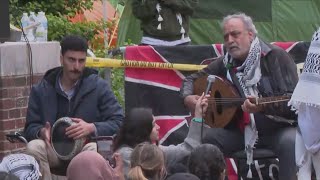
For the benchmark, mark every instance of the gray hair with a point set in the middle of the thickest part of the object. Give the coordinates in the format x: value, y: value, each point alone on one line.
x: 247, y: 20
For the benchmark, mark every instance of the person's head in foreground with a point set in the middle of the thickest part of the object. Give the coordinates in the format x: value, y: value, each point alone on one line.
x: 139, y: 126
x: 183, y: 176
x: 147, y: 162
x: 207, y: 162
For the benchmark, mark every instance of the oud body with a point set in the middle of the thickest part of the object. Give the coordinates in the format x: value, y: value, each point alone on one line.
x: 218, y: 114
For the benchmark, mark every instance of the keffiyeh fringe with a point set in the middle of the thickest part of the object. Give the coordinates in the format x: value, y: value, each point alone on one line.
x: 179, y: 19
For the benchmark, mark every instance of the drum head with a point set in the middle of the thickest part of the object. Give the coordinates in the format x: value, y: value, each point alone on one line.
x: 62, y: 144
x: 65, y: 148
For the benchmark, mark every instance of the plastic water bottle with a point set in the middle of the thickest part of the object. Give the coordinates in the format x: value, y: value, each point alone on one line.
x: 40, y: 34
x: 25, y: 21
x: 33, y: 20
x: 24, y: 24
x: 42, y: 30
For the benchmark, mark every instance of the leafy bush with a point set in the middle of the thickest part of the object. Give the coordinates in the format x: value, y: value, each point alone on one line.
x: 59, y: 26
x: 117, y: 79
x: 55, y: 7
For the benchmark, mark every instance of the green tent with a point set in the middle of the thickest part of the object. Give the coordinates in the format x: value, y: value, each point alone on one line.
x: 276, y: 20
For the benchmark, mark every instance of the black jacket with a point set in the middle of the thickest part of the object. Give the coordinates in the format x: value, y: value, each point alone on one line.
x: 94, y: 102
x: 279, y: 76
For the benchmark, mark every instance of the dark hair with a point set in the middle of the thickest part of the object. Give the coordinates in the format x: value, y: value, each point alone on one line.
x: 8, y: 176
x: 136, y: 128
x: 73, y: 43
x: 207, y: 162
x: 183, y: 176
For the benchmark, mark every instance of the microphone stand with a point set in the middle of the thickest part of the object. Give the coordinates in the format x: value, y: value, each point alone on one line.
x: 202, y: 124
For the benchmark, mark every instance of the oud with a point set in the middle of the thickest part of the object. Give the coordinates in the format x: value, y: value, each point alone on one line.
x: 225, y: 100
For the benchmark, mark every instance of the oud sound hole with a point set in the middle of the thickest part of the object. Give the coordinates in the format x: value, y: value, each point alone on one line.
x: 217, y: 97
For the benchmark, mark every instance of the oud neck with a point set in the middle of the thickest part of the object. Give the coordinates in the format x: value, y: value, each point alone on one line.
x: 267, y: 100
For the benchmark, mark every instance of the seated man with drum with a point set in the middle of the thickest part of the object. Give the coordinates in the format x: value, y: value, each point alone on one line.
x: 256, y: 70
x: 81, y: 100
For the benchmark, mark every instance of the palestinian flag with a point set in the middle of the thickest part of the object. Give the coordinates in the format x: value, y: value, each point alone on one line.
x: 159, y: 89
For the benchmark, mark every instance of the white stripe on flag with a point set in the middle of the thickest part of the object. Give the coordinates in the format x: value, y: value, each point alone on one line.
x: 164, y: 59
x: 234, y: 166
x: 292, y: 46
x: 289, y: 48
x: 171, y: 131
x: 216, y: 50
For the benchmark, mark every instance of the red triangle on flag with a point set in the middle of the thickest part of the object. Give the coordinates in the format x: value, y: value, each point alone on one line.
x: 148, y: 54
x: 167, y: 126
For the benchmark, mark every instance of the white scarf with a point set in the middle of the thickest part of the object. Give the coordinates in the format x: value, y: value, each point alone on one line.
x: 308, y: 87
x: 249, y: 74
x: 21, y: 165
x: 306, y: 97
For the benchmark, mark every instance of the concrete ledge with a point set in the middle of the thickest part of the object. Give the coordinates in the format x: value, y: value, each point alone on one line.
x: 14, y: 57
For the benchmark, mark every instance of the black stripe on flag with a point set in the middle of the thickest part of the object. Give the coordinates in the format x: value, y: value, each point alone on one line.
x: 162, y: 101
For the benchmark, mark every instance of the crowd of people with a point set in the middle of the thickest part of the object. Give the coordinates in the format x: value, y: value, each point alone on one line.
x: 255, y: 67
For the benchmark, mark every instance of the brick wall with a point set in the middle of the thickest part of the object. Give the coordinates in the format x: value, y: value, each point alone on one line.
x: 14, y: 84
x: 14, y: 94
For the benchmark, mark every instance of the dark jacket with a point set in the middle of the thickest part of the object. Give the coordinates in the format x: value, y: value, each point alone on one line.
x: 145, y: 10
x: 94, y: 102
x: 279, y: 76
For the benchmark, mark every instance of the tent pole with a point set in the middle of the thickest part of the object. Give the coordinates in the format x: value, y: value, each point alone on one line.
x: 105, y: 19
x: 107, y: 71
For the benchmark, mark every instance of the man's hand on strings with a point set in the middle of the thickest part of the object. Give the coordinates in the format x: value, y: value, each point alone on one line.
x: 249, y: 106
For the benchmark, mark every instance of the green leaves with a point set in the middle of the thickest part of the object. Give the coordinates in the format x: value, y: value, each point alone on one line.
x: 54, y: 7
x: 117, y: 79
x: 60, y: 26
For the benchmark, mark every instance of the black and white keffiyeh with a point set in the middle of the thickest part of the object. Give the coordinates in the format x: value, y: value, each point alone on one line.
x: 249, y: 74
x: 21, y: 165
x: 306, y: 100
x: 308, y: 87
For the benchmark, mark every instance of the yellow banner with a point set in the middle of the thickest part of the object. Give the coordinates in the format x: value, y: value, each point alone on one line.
x: 116, y: 63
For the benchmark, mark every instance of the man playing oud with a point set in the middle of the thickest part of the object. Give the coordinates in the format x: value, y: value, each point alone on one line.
x: 257, y: 69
